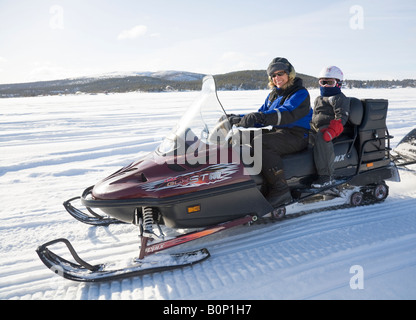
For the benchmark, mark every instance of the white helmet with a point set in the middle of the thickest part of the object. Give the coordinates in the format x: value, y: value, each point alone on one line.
x: 332, y: 72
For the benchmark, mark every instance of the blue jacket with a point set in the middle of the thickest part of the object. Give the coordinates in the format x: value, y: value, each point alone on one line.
x: 292, y: 105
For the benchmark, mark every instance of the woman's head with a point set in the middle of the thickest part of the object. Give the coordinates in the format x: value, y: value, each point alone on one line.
x: 281, y: 73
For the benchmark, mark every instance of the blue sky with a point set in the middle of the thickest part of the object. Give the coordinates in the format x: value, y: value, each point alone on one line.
x: 43, y: 40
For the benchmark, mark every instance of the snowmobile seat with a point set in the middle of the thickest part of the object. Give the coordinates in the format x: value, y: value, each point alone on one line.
x: 346, y: 156
x: 298, y: 166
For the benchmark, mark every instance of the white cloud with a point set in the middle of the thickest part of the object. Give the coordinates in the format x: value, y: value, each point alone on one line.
x: 47, y: 70
x: 232, y: 60
x: 3, y: 60
x: 133, y: 33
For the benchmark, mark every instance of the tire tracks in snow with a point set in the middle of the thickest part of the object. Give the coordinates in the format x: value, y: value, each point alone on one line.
x: 273, y: 254
x: 316, y: 223
x: 300, y: 246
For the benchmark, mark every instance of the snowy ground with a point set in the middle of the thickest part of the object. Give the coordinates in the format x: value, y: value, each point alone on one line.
x: 54, y: 147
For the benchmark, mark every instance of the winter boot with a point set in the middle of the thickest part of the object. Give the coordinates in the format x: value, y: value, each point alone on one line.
x: 279, y: 192
x: 322, y: 182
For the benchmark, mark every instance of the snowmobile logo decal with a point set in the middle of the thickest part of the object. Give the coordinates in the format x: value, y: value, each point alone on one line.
x: 210, y: 175
x: 340, y: 158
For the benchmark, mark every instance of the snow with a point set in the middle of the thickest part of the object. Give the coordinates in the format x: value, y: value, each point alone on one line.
x: 52, y: 148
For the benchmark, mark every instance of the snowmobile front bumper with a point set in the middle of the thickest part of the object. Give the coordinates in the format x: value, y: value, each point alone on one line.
x: 91, y: 218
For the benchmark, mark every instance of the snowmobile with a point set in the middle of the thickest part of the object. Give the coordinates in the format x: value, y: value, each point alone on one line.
x: 203, y: 175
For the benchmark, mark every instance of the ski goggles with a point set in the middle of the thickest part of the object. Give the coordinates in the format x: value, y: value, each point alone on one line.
x: 328, y: 83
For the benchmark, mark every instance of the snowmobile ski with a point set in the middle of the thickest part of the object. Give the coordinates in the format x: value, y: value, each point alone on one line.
x: 84, y: 272
x: 93, y: 218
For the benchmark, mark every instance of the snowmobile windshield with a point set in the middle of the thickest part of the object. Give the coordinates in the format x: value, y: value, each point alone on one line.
x: 204, y: 123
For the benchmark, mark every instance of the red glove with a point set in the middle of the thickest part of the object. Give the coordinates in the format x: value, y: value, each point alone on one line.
x: 334, y: 130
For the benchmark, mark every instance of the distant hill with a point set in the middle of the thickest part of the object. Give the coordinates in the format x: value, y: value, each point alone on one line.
x: 253, y: 80
x: 167, y: 81
x: 110, y: 83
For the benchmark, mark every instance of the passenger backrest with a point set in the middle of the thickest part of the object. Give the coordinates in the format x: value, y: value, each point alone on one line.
x: 354, y: 119
x: 356, y: 112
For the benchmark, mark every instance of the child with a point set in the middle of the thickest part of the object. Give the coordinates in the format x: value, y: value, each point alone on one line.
x: 330, y: 115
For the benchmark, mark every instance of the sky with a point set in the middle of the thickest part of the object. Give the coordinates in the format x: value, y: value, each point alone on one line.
x: 48, y: 40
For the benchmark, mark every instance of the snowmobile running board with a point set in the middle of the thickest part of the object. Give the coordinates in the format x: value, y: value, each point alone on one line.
x: 84, y: 272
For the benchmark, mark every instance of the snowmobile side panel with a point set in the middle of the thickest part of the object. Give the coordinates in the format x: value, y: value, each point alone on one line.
x: 346, y: 159
x: 305, y: 164
x: 216, y: 205
x: 204, y: 210
x: 345, y: 163
x: 377, y: 175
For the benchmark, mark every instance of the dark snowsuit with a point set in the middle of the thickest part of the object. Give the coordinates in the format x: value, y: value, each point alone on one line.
x: 289, y: 112
x: 326, y: 109
x: 291, y: 132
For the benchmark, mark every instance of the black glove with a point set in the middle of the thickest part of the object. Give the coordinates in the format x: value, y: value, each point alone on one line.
x: 260, y: 119
x: 233, y: 119
x: 251, y: 119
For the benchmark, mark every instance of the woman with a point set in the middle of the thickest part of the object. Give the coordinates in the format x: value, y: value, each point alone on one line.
x: 287, y: 108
